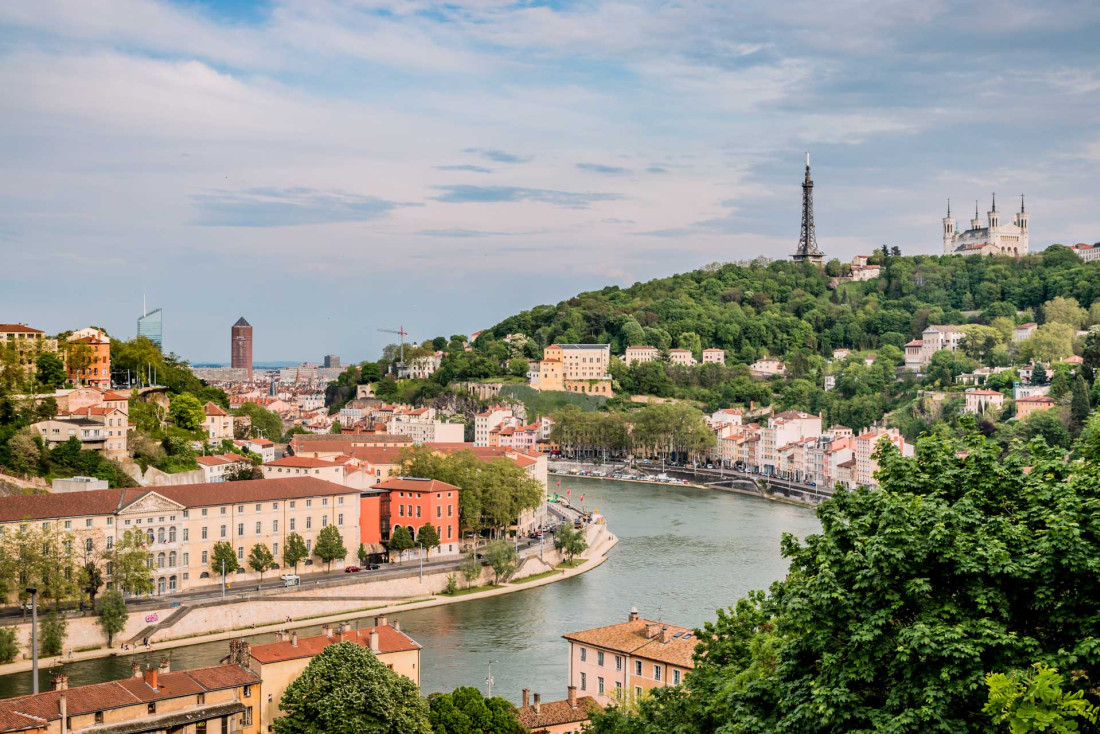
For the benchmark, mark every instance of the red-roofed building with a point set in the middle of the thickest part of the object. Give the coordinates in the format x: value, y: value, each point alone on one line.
x: 412, y: 503
x: 280, y: 663
x: 1027, y: 406
x: 979, y: 400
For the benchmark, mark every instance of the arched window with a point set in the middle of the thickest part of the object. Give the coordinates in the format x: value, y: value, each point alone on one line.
x: 87, y: 545
x: 152, y: 539
x: 160, y: 560
x: 204, y: 575
x: 172, y: 534
x: 160, y: 585
x: 160, y: 534
x: 172, y: 559
x: 171, y: 583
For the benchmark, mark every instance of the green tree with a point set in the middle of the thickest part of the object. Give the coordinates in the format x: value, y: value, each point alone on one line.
x: 1079, y: 406
x: 428, y: 537
x: 111, y: 614
x: 1090, y: 351
x: 466, y: 711
x: 400, y: 541
x: 260, y: 559
x: 91, y: 581
x: 223, y: 559
x: 346, y: 690
x: 501, y: 557
x: 24, y: 452
x: 50, y: 371
x: 1059, y: 386
x: 186, y: 412
x: 9, y: 644
x: 570, y: 541
x: 362, y: 554
x: 891, y: 618
x: 295, y: 551
x: 1038, y: 375
x: 54, y: 629
x: 1050, y: 342
x: 1065, y: 311
x: 131, y: 564
x: 330, y: 545
x: 518, y: 366
x: 265, y: 423
x: 470, y: 568
x: 1034, y: 701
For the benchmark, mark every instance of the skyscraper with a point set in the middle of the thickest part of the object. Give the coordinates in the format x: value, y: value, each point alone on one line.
x: 240, y: 345
x: 151, y: 326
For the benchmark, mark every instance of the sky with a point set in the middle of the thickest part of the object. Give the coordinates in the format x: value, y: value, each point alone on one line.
x: 328, y: 168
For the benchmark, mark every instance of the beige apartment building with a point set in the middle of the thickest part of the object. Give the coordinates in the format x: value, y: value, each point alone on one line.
x: 682, y: 357
x: 714, y: 356
x: 217, y: 423
x: 217, y: 700
x: 487, y: 420
x: 183, y: 523
x: 624, y: 661
x: 280, y: 663
x: 27, y: 342
x: 640, y: 354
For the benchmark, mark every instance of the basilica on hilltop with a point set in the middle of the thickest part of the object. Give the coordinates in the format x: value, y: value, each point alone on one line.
x: 993, y: 239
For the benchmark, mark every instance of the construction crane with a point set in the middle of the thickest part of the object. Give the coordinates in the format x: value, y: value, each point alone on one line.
x: 400, y: 331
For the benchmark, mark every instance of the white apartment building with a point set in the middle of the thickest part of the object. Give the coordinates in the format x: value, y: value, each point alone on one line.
x: 487, y: 420
x: 681, y: 357
x: 783, y: 429
x: 918, y: 353
x: 866, y: 444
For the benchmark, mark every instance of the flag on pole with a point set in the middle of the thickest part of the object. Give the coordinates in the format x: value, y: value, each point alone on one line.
x: 582, y: 498
x: 569, y: 491
x: 559, y: 482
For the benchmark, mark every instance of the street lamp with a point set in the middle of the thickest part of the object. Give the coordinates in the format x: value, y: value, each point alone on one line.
x: 34, y: 636
x: 489, y: 680
x: 421, y: 562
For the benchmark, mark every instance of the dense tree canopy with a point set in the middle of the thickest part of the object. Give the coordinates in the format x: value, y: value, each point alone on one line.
x: 965, y: 563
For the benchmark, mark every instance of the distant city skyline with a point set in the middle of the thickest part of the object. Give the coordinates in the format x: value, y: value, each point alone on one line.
x: 334, y: 167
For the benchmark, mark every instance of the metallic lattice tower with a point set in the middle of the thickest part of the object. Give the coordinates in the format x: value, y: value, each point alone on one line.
x: 808, y: 250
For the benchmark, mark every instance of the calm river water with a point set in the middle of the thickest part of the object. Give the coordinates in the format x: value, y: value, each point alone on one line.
x: 682, y: 554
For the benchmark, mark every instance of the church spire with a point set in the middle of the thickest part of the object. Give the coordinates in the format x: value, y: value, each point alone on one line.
x: 1021, y: 203
x: 948, y: 208
x: 994, y: 201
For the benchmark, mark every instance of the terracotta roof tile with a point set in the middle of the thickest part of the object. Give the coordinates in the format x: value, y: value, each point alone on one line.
x: 556, y: 713
x: 389, y: 640
x: 19, y: 329
x: 630, y: 638
x: 410, y: 484
x: 211, y: 409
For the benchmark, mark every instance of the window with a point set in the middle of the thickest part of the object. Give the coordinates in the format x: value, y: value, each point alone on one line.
x: 340, y: 519
x: 68, y: 524
x: 656, y: 672
x: 152, y: 707
x: 292, y: 503
x: 172, y: 558
x: 637, y: 667
x: 292, y: 524
x: 225, y: 725
x: 309, y: 523
x: 186, y: 559
x: 257, y: 508
x: 172, y: 534
x: 599, y: 658
x: 240, y: 508
x: 247, y: 689
x: 87, y: 545
x: 637, y: 691
x: 223, y: 509
x: 339, y: 500
x: 240, y: 552
x: 110, y: 542
x: 240, y: 529
x: 274, y: 505
x: 401, y: 510
x: 584, y: 654
x: 309, y: 549
x: 275, y: 549
x: 186, y: 534
x: 450, y: 508
x: 259, y: 525
x: 274, y: 526
x: 309, y: 503
x: 324, y: 521
x: 203, y: 533
x: 618, y: 662
x: 160, y: 560
x: 418, y: 510
x: 201, y: 699
x: 584, y: 681
x: 676, y: 677
x: 110, y: 521
x: 223, y: 531
x: 618, y: 688
x: 438, y: 511
x: 205, y: 557
x: 99, y: 717
x: 110, y: 568
x: 324, y: 502
x: 599, y: 684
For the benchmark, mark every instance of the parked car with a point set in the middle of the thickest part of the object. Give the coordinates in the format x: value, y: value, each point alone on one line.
x: 352, y: 569
x: 373, y: 566
x: 291, y: 579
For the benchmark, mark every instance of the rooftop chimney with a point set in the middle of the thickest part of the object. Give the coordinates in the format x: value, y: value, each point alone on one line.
x: 135, y: 670
x: 538, y: 704
x: 60, y: 682
x: 345, y: 627
x: 666, y: 634
x: 526, y: 697
x: 633, y: 616
x: 326, y: 630
x: 294, y: 639
x: 151, y: 678
x: 652, y: 629
x: 396, y: 625
x: 374, y: 642
x: 381, y: 620
x: 63, y: 712
x: 165, y: 666
x: 571, y: 696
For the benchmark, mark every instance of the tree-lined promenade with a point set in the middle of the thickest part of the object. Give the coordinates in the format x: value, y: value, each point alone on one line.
x: 655, y: 430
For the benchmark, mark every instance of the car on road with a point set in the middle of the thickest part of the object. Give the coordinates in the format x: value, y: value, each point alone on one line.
x: 372, y: 566
x: 352, y: 569
x: 291, y: 579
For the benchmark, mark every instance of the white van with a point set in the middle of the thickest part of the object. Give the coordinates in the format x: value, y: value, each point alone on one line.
x: 290, y: 579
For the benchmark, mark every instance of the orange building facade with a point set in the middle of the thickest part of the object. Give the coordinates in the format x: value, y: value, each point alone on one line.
x: 412, y: 503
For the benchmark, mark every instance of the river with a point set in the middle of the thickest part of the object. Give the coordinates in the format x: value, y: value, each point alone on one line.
x: 683, y: 553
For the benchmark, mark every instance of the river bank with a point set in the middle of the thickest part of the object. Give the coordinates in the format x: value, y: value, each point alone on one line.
x: 601, y: 539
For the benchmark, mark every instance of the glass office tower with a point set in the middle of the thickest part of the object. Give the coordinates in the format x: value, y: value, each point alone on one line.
x: 151, y: 326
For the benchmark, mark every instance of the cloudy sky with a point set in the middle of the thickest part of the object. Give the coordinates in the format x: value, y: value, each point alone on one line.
x: 329, y: 167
